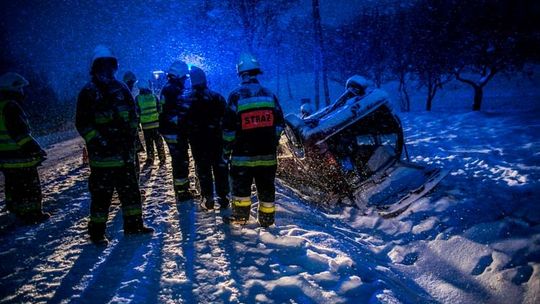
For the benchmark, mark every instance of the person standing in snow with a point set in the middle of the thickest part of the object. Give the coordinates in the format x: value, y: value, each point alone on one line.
x: 252, y: 126
x: 173, y: 127
x: 148, y: 108
x: 130, y: 80
x: 205, y: 138
x: 20, y: 154
x: 107, y: 120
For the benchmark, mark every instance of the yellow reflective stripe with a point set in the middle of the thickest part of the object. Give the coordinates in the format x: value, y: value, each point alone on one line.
x: 254, y: 161
x: 132, y: 210
x: 17, y: 164
x: 90, y: 135
x: 124, y: 115
x: 24, y: 140
x: 103, y: 120
x: 170, y: 139
x: 98, y: 218
x: 27, y: 207
x: 229, y: 136
x: 8, y: 145
x: 255, y: 105
x: 151, y: 125
x: 106, y: 163
x: 181, y: 181
x: 6, y: 142
x: 267, y: 207
x: 242, y: 201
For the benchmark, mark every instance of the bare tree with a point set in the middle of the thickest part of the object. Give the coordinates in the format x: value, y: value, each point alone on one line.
x: 488, y: 61
x: 319, y: 57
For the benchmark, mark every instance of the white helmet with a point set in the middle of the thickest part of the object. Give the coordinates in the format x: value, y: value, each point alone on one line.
x: 12, y: 82
x: 197, y: 76
x: 178, y: 69
x: 247, y: 62
x: 103, y: 52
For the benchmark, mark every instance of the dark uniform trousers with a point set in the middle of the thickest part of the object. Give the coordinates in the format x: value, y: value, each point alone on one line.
x: 23, y: 190
x: 263, y: 176
x: 210, y: 166
x: 102, y: 183
x: 151, y: 138
x: 180, y: 167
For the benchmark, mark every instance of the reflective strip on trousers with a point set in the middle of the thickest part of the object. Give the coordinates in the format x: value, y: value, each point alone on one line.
x: 229, y: 136
x: 20, y: 163
x: 171, y: 139
x: 131, y: 210
x: 25, y: 208
x: 181, y: 181
x: 107, y: 163
x: 99, y: 218
x: 267, y: 207
x: 254, y: 161
x: 151, y: 125
x: 90, y: 135
x: 241, y: 201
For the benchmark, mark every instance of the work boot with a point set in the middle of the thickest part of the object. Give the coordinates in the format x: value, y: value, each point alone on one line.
x: 240, y: 215
x: 223, y: 202
x: 97, y: 233
x: 208, y: 203
x: 35, y: 217
x: 135, y: 225
x: 266, y: 219
x: 183, y: 196
x: 99, y: 240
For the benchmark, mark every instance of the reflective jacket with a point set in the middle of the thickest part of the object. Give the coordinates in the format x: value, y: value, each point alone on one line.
x: 148, y: 108
x: 107, y: 120
x: 252, y: 125
x: 172, y: 119
x: 18, y: 149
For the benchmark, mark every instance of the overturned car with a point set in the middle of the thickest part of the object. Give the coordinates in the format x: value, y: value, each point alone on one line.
x: 351, y: 152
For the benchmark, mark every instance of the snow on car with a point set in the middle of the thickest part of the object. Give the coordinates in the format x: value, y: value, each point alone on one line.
x: 351, y: 152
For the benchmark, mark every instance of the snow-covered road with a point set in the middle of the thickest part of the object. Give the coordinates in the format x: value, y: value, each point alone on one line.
x: 476, y: 238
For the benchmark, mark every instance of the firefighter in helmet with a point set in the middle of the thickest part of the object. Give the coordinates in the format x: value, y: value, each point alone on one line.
x: 173, y: 127
x: 149, y: 107
x: 252, y: 126
x: 107, y: 120
x: 205, y: 139
x: 20, y: 154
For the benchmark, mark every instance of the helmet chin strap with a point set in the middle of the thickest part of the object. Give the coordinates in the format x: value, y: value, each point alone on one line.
x: 248, y: 76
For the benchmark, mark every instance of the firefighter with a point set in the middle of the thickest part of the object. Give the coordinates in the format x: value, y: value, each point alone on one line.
x: 173, y: 127
x: 205, y: 139
x: 130, y: 80
x: 106, y: 118
x: 20, y: 154
x: 149, y: 107
x: 252, y: 126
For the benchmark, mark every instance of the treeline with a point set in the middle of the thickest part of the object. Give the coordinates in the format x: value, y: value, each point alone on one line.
x: 431, y: 42
x: 47, y: 111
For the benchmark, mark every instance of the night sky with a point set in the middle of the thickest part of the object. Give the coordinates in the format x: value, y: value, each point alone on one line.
x: 58, y: 37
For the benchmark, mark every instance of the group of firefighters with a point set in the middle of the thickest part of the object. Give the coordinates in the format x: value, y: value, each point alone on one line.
x: 235, y: 139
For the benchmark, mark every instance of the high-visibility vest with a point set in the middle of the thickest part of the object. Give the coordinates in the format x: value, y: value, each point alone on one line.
x: 149, y: 113
x: 11, y: 156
